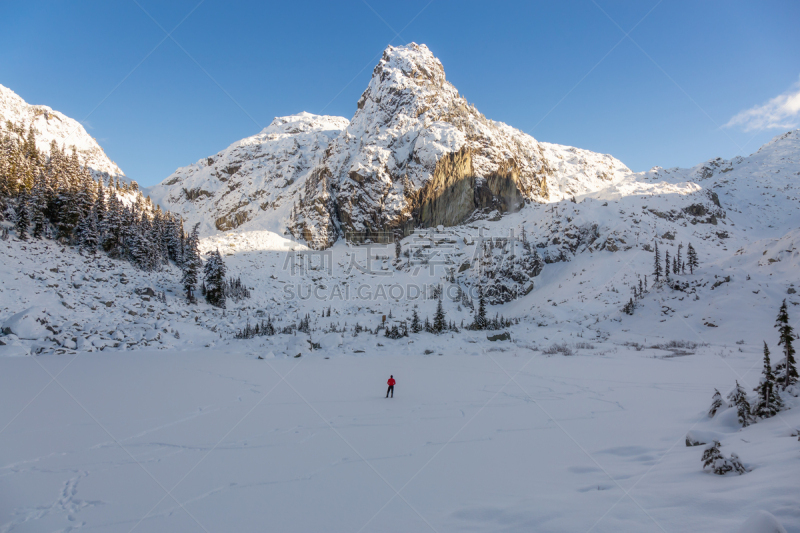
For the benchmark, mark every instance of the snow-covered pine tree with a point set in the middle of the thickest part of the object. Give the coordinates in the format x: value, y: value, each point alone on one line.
x: 738, y: 399
x: 657, y: 264
x: 712, y: 458
x: 785, y: 338
x: 439, y: 322
x: 718, y: 464
x: 676, y: 266
x: 191, y: 262
x: 214, y: 280
x: 85, y: 196
x: 23, y: 220
x: 666, y: 265
x: 691, y: 256
x: 70, y: 209
x: 479, y: 322
x: 100, y: 202
x: 769, y: 401
x: 87, y: 232
x: 398, y: 247
x: 628, y: 307
x: 716, y: 403
x: 416, y: 327
x: 38, y: 205
x: 111, y: 228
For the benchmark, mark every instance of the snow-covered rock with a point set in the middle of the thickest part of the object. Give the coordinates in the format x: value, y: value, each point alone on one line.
x: 28, y: 324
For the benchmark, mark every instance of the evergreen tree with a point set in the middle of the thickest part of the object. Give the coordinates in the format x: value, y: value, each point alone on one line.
x: 23, y: 220
x: 214, y: 280
x: 629, y: 307
x: 769, y: 401
x: 691, y: 256
x: 479, y: 322
x: 785, y: 339
x: 716, y: 403
x: 112, y: 228
x: 87, y: 232
x: 666, y: 265
x: 738, y: 399
x: 416, y: 327
x: 38, y: 205
x: 657, y: 265
x: 712, y: 456
x: 713, y: 459
x: 100, y: 202
x: 398, y: 247
x: 191, y: 262
x: 439, y: 322
x: 676, y: 267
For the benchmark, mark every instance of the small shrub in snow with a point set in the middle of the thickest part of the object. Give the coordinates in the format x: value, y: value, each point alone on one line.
x: 556, y: 348
x: 584, y: 346
x: 717, y: 463
x: 716, y: 403
x: 738, y: 399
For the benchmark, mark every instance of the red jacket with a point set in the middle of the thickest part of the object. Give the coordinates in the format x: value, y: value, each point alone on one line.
x: 391, y: 382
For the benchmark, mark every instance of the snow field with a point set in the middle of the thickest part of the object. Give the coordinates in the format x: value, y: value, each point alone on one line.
x: 311, y: 444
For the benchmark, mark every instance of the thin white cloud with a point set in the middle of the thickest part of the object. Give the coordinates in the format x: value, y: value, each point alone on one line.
x: 781, y: 112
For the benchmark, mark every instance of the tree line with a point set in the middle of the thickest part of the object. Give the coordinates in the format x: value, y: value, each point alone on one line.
x: 51, y: 196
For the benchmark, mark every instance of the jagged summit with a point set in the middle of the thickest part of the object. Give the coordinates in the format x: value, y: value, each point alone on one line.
x: 415, y: 154
x: 54, y: 126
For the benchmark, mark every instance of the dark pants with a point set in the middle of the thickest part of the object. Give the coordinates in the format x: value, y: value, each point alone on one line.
x: 390, y: 390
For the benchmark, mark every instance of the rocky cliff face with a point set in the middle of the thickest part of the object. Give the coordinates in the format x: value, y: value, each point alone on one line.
x: 415, y: 154
x: 54, y: 126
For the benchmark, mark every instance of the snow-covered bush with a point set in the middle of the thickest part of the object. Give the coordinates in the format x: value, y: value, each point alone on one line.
x: 717, y: 463
x: 716, y: 403
x: 555, y: 348
x: 738, y: 399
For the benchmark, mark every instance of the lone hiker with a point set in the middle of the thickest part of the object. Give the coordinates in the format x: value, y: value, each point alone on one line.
x: 391, y: 383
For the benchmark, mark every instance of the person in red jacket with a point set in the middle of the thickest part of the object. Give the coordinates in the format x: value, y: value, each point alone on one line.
x: 391, y: 383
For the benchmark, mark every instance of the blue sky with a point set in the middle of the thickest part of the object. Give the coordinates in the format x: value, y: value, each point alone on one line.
x: 674, y: 92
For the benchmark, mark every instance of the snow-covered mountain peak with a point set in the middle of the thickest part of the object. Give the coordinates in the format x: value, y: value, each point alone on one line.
x: 786, y: 141
x: 415, y: 154
x: 418, y: 154
x: 52, y: 125
x: 405, y: 66
x: 304, y: 122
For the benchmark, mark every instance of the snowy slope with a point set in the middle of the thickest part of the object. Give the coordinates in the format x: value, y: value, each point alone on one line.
x: 255, y: 181
x: 54, y: 126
